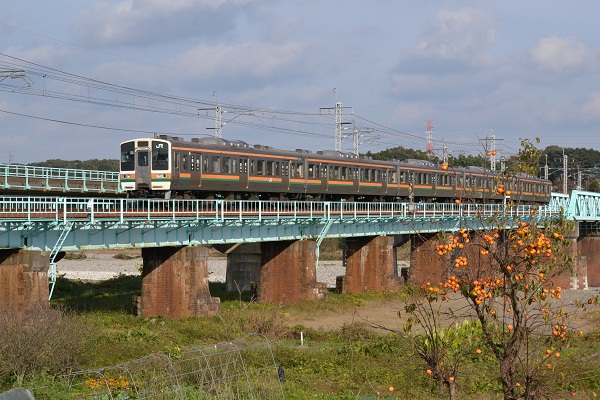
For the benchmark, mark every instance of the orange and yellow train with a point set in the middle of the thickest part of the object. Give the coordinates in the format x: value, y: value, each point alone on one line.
x: 213, y: 168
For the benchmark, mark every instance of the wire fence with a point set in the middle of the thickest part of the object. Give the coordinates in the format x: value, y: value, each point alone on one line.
x: 244, y: 368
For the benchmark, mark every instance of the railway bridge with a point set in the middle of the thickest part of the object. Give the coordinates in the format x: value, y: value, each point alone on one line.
x: 270, y: 242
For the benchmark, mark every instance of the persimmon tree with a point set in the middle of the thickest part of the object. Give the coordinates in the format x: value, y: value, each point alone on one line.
x: 503, y: 267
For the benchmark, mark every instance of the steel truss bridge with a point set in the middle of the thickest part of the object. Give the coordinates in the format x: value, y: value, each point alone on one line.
x: 68, y: 223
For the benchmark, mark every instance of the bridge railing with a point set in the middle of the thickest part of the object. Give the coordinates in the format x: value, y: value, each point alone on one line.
x: 62, y: 209
x: 23, y: 177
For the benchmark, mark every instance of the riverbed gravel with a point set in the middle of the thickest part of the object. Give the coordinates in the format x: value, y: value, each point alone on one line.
x: 103, y: 265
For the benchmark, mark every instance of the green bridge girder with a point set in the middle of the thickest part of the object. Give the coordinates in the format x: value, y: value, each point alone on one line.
x: 39, y: 223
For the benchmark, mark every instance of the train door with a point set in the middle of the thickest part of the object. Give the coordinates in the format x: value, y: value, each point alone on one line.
x: 195, y: 178
x: 143, y: 175
x: 285, y: 175
x: 324, y: 177
x: 176, y: 167
x: 243, y: 172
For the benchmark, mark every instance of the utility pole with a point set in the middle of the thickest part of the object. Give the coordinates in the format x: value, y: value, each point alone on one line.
x: 565, y: 175
x: 578, y: 178
x: 356, y: 134
x: 546, y: 168
x: 339, y: 109
x: 445, y: 156
x: 490, y: 150
x: 429, y: 148
x: 218, y: 119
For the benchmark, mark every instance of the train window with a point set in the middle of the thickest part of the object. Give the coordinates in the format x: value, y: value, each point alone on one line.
x: 192, y: 162
x: 160, y: 155
x: 277, y: 170
x: 337, y: 172
x: 345, y: 175
x: 402, y: 177
x: 176, y: 161
x: 252, y: 167
x: 243, y: 165
x: 260, y: 167
x: 205, y: 164
x: 128, y: 156
x: 226, y: 165
x: 185, y: 162
x: 377, y: 175
x: 311, y: 170
x: 323, y: 171
x: 142, y: 158
x: 214, y: 164
x: 364, y: 174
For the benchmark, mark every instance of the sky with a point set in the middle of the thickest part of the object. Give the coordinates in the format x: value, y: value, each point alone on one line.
x: 80, y: 77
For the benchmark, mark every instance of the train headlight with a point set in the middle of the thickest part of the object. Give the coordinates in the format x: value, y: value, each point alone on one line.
x: 126, y: 176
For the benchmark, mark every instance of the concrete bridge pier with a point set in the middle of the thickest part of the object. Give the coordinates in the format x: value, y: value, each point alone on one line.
x: 243, y: 265
x: 175, y: 283
x: 371, y: 264
x: 289, y: 272
x: 24, y: 279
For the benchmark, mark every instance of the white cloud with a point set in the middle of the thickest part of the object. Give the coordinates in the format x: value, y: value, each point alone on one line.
x: 561, y: 54
x: 591, y: 108
x: 243, y: 60
x: 43, y: 55
x: 465, y: 35
x: 154, y: 21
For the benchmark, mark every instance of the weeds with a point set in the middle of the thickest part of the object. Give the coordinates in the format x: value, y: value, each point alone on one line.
x: 36, y: 341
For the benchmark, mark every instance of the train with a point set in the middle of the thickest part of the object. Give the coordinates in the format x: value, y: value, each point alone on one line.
x: 214, y: 168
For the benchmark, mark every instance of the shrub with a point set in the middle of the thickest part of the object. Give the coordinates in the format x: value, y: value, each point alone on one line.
x: 36, y: 341
x: 75, y: 256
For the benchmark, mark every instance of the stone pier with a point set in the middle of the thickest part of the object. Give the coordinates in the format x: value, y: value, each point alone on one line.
x: 589, y: 247
x: 371, y: 265
x: 175, y: 283
x: 289, y: 272
x: 425, y: 264
x: 243, y: 267
x: 24, y: 279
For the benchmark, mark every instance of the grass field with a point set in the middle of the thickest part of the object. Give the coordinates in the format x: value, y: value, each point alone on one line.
x: 348, y: 360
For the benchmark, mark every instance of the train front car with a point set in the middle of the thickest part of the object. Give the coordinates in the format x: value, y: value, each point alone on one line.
x: 146, y: 168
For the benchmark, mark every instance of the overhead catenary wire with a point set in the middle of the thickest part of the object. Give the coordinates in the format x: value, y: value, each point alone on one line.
x: 318, y: 126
